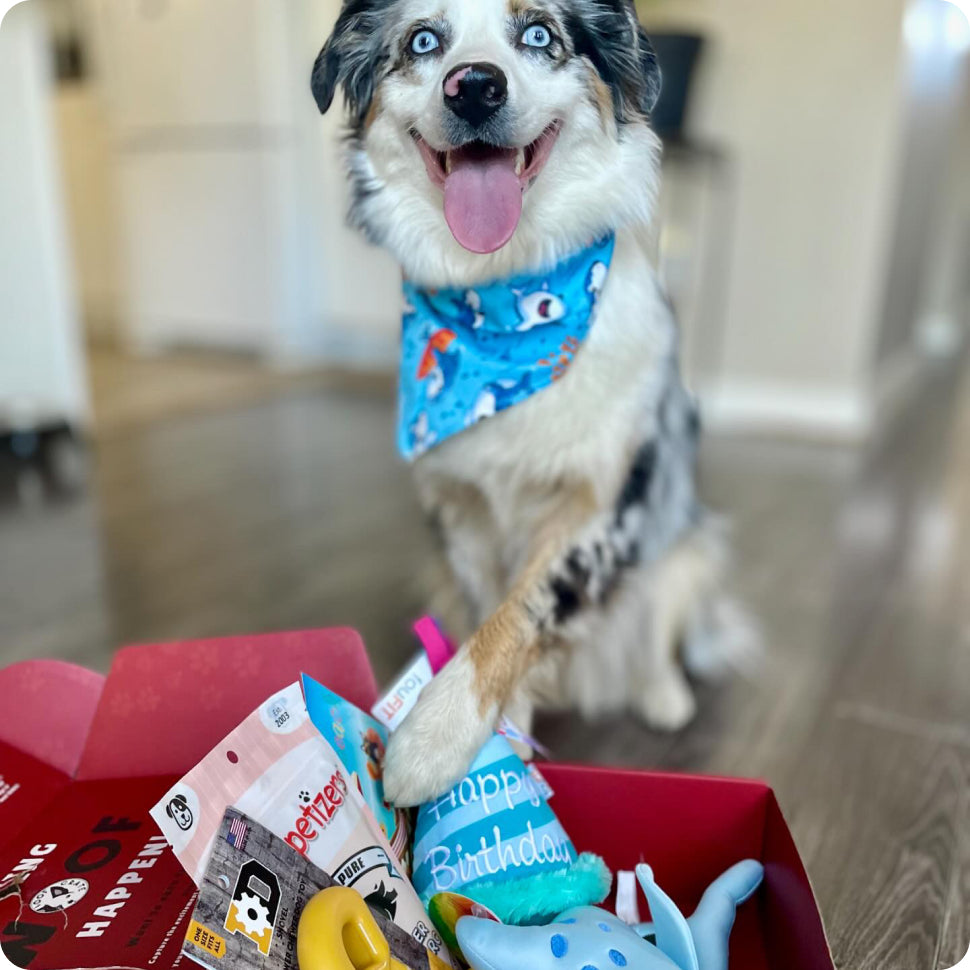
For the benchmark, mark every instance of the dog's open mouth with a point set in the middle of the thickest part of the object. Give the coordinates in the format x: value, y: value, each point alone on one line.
x: 483, y: 186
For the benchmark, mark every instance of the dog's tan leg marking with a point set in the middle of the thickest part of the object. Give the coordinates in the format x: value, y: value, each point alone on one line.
x: 508, y: 642
x: 456, y: 714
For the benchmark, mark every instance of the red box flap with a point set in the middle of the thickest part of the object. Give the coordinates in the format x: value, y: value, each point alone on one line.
x: 26, y: 786
x: 792, y: 920
x: 164, y: 707
x: 690, y: 829
x: 634, y: 816
x: 48, y: 709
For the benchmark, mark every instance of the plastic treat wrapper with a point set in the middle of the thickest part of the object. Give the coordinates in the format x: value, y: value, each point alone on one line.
x: 359, y: 741
x: 277, y: 769
x: 253, y: 893
x: 436, y: 651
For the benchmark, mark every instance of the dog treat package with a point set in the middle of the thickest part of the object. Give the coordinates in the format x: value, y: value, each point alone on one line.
x: 400, y: 698
x: 253, y: 893
x: 436, y: 651
x: 277, y: 769
x: 359, y: 740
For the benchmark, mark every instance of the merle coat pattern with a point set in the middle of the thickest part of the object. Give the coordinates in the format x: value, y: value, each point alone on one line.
x: 584, y: 568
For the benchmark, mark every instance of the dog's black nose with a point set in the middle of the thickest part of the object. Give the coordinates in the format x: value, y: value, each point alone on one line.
x: 475, y: 92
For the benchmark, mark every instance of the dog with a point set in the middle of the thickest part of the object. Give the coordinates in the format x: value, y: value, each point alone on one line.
x: 488, y: 139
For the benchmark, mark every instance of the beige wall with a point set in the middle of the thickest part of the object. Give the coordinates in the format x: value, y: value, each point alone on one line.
x: 224, y: 247
x: 88, y: 172
x: 930, y: 204
x: 805, y: 97
x: 947, y: 296
x: 355, y: 287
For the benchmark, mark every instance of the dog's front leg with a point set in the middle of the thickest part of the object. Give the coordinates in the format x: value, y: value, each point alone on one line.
x: 458, y: 711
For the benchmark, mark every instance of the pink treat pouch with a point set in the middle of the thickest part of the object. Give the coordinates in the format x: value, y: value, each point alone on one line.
x: 277, y: 769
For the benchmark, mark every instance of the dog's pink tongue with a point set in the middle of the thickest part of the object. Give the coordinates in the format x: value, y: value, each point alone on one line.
x: 483, y: 200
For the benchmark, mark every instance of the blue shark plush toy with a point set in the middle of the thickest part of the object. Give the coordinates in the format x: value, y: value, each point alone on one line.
x: 589, y: 938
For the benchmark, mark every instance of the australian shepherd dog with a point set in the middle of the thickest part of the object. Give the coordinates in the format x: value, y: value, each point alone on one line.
x: 489, y: 139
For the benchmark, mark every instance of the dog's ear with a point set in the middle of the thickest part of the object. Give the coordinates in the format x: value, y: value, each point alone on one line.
x: 353, y: 58
x: 609, y: 35
x: 326, y: 72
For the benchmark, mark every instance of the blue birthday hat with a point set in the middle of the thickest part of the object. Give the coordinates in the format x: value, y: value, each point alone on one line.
x: 494, y: 839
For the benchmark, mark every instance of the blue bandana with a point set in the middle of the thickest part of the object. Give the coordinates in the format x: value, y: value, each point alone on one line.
x: 468, y: 354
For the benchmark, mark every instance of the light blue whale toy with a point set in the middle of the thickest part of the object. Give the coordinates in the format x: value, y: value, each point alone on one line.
x: 589, y: 938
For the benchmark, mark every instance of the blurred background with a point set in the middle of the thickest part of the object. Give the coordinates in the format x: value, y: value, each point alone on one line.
x: 196, y: 384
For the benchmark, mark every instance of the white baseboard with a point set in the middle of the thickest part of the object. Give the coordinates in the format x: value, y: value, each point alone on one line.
x: 847, y: 416
x: 352, y: 348
x: 349, y: 347
x: 779, y: 409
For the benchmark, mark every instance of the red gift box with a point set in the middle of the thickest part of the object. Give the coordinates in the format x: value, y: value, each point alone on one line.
x: 83, y: 758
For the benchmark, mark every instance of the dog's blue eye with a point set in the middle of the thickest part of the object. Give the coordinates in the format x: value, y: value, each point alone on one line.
x: 424, y: 42
x: 537, y: 36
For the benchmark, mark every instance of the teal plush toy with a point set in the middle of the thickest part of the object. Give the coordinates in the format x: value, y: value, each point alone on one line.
x: 589, y: 938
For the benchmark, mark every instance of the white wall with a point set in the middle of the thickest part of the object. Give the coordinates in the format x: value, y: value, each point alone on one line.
x: 41, y: 365
x: 805, y: 97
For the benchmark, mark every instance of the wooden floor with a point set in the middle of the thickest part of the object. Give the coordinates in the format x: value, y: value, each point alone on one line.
x: 289, y: 510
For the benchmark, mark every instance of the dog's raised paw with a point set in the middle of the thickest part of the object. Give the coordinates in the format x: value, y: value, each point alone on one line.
x: 435, y: 746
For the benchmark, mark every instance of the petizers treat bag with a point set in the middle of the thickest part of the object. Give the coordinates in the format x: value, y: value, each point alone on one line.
x: 277, y: 769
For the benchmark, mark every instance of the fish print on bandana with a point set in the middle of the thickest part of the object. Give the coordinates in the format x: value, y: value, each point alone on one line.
x: 468, y: 354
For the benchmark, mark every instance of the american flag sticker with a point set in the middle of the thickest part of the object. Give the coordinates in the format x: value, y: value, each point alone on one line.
x: 238, y: 831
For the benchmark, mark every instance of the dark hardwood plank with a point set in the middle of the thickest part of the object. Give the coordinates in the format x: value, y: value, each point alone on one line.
x: 955, y: 941
x: 878, y: 820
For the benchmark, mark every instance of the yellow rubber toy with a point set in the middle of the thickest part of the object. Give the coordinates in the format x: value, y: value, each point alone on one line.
x: 338, y: 932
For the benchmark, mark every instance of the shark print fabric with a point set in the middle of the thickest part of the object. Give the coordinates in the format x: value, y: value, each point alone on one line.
x: 468, y: 354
